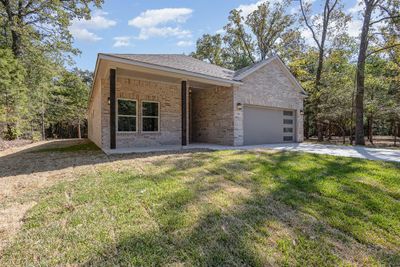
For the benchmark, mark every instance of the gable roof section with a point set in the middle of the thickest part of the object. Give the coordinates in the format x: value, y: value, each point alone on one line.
x: 244, y: 72
x: 177, y: 62
x: 190, y: 66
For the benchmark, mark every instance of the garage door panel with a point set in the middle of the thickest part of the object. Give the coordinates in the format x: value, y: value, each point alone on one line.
x: 266, y: 125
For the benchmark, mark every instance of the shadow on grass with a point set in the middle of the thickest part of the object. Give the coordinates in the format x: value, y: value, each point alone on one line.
x: 294, y: 222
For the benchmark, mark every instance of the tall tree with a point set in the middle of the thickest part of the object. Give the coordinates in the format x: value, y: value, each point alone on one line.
x: 376, y: 15
x: 269, y: 24
x: 13, y: 95
x: 46, y: 22
x: 332, y: 20
x: 209, y: 47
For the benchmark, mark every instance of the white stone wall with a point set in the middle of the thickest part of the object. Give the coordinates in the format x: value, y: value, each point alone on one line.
x: 268, y: 86
x: 169, y: 97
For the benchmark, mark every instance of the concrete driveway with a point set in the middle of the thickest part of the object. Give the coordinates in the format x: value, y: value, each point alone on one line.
x: 335, y: 150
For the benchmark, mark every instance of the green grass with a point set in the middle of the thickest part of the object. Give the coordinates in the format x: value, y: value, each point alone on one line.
x: 218, y: 208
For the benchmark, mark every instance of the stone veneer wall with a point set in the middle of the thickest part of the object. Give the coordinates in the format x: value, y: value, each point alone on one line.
x: 169, y: 97
x: 212, y: 115
x: 94, y: 118
x: 268, y: 86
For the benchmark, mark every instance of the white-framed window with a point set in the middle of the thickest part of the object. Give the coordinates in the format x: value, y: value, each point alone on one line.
x: 126, y: 115
x: 150, y: 116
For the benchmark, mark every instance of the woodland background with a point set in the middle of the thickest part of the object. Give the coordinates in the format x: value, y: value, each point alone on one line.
x: 353, y: 84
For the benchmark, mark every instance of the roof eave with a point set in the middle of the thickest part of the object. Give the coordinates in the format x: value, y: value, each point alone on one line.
x: 167, y: 69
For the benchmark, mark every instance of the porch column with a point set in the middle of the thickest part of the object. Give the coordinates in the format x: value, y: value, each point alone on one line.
x: 112, y: 110
x: 184, y: 112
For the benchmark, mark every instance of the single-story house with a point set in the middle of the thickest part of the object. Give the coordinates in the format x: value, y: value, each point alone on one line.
x: 140, y: 100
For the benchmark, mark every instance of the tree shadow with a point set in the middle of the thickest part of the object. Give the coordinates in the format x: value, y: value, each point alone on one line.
x: 294, y: 218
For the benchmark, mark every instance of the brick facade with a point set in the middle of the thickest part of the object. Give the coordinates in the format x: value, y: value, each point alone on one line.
x: 212, y: 115
x: 270, y: 87
x: 213, y: 118
x: 169, y: 97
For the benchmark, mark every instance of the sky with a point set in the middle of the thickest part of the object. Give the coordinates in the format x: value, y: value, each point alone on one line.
x: 163, y: 26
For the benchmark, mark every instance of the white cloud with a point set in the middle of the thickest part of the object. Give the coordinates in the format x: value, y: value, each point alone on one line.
x: 184, y: 43
x: 163, y: 22
x: 146, y: 33
x: 359, y: 6
x: 84, y: 35
x: 80, y: 28
x: 220, y: 31
x: 122, y: 41
x: 155, y: 17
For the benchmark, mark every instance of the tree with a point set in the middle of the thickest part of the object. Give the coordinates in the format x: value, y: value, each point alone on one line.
x: 209, y: 47
x: 333, y: 20
x: 29, y: 22
x: 69, y: 100
x: 13, y: 95
x: 268, y: 25
x: 250, y: 39
x: 375, y: 13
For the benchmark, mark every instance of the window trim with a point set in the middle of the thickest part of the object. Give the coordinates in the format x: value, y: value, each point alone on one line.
x: 134, y: 116
x: 142, y: 116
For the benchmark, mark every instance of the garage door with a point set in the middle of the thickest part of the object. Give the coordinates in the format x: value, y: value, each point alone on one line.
x: 266, y: 125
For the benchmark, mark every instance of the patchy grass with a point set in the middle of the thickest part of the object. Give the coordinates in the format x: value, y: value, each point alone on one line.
x: 87, y: 146
x: 218, y: 208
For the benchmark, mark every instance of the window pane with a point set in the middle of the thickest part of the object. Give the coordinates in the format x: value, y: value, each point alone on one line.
x: 126, y: 124
x: 126, y: 107
x: 288, y: 113
x: 287, y: 121
x: 149, y: 109
x: 288, y: 130
x: 288, y: 138
x: 150, y: 124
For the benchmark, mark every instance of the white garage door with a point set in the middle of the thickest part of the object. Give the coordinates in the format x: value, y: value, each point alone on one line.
x: 266, y: 125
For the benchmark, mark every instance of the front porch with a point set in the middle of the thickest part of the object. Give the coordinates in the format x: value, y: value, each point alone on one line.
x: 188, y: 110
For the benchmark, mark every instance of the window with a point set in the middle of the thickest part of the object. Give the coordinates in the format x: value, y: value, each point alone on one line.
x: 288, y: 138
x: 150, y: 116
x: 288, y: 130
x: 287, y: 113
x: 126, y: 114
x: 286, y: 121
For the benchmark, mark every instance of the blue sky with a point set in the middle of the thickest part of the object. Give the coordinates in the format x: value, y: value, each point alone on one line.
x: 158, y: 26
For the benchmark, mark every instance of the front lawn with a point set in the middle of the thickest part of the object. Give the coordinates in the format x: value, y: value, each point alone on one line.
x: 217, y: 208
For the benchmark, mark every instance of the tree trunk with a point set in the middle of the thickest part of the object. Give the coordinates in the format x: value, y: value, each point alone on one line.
x: 395, y: 134
x: 362, y: 55
x: 79, y: 129
x: 370, y: 122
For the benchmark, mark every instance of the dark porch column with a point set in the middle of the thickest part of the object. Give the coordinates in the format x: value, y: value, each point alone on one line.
x: 184, y: 113
x: 112, y: 110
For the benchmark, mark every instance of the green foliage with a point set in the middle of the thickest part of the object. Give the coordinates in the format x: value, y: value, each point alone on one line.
x: 13, y: 94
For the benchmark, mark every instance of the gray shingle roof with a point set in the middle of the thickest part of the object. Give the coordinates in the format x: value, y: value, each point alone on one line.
x: 180, y: 62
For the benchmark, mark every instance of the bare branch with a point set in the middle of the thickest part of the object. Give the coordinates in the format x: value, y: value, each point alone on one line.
x: 308, y: 25
x: 383, y: 49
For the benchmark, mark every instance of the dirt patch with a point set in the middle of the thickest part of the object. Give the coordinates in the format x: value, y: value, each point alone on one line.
x: 11, y: 220
x: 4, y: 144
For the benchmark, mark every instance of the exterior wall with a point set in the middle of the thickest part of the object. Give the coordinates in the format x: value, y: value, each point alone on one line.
x: 169, y: 97
x: 268, y: 86
x: 212, y: 115
x: 94, y: 117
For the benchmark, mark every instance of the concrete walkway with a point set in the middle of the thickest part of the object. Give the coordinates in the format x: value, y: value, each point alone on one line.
x: 334, y: 150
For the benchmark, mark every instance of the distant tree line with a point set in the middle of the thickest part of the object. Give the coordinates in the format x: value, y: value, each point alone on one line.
x: 353, y: 84
x: 39, y: 96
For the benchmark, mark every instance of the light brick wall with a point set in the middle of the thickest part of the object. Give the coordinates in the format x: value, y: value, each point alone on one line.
x: 212, y: 115
x: 169, y: 97
x: 268, y: 86
x: 94, y: 117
